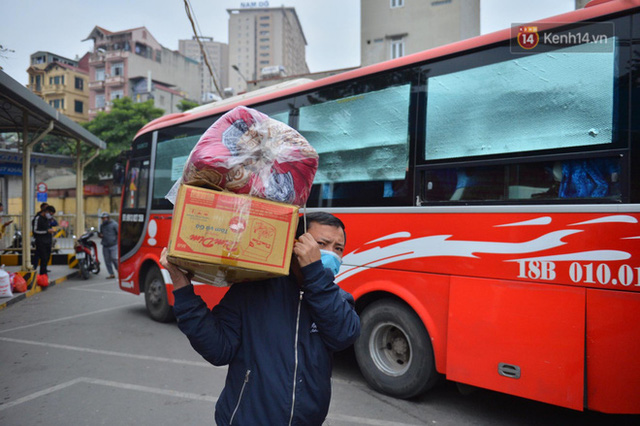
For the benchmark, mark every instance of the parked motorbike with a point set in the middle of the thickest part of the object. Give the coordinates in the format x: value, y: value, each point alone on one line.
x: 87, y: 254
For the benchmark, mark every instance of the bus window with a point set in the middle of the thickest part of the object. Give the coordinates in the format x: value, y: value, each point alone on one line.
x: 136, y: 185
x: 363, y: 144
x: 590, y: 178
x: 532, y: 103
x: 171, y: 156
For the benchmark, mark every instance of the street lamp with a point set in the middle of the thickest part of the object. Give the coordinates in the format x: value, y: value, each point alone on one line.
x: 246, y: 83
x: 235, y: 67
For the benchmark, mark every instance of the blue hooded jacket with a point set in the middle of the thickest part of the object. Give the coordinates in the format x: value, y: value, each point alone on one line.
x: 278, y: 340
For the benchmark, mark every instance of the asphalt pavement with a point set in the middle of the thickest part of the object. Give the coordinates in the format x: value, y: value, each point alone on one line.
x: 83, y: 352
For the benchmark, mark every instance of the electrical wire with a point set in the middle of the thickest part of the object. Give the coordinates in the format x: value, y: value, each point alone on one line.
x: 191, y: 16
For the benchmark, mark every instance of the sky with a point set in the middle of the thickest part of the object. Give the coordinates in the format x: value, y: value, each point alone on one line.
x: 331, y: 27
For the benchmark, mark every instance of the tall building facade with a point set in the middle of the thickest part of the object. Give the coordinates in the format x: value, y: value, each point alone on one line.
x: 393, y: 28
x: 264, y: 39
x: 132, y: 63
x: 63, y: 83
x: 218, y: 57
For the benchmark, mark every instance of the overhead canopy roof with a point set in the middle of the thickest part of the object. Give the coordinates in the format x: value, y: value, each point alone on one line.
x: 19, y: 107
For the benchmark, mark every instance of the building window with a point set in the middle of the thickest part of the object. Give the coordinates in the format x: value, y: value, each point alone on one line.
x: 57, y: 103
x: 117, y: 94
x: 396, y: 3
x: 264, y: 62
x: 397, y: 49
x: 100, y: 101
x: 78, y: 107
x: 79, y: 83
x: 143, y: 50
x: 264, y: 18
x: 117, y: 69
x: 158, y: 56
x: 99, y: 74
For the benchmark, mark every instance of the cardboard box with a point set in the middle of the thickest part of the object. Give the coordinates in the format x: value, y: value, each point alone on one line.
x: 224, y: 238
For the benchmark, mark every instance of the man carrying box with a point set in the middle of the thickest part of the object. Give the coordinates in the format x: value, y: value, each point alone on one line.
x: 277, y: 335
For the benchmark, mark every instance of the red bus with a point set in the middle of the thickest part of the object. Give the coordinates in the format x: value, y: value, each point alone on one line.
x: 491, y: 194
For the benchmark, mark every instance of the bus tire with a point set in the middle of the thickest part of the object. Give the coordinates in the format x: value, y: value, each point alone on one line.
x: 394, y: 350
x: 155, y: 297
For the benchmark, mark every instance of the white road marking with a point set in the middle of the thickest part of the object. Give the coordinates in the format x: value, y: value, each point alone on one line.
x: 39, y: 394
x: 68, y: 318
x: 178, y: 394
x: 365, y: 421
x: 112, y: 353
x: 99, y: 291
x: 159, y: 391
x: 97, y: 284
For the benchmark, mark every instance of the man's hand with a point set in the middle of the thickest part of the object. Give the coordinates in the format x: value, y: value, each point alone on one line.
x: 306, y: 250
x: 178, y: 277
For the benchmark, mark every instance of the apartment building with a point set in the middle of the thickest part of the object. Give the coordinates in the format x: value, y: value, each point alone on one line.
x: 264, y: 39
x: 61, y: 82
x: 218, y: 57
x: 393, y: 28
x: 132, y: 63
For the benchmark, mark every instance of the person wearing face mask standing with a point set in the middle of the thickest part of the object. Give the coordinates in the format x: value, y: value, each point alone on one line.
x: 277, y: 335
x: 42, y: 232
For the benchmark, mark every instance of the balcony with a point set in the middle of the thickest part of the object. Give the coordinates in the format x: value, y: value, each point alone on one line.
x: 96, y: 59
x: 115, y: 55
x: 52, y: 89
x: 117, y: 80
x: 96, y: 85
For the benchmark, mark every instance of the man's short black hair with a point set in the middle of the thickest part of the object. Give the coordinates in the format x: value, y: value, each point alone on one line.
x: 321, y: 218
x: 50, y: 209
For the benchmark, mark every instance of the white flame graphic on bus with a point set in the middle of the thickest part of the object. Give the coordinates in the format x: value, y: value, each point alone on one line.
x: 442, y: 245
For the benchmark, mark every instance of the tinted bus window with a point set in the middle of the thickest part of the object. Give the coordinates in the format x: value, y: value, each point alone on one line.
x: 588, y: 178
x: 136, y: 185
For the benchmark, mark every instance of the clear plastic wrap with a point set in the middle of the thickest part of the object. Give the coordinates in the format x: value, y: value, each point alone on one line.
x: 247, y: 152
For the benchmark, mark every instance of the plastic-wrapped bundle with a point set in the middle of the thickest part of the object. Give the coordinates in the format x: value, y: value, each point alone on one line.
x: 246, y: 152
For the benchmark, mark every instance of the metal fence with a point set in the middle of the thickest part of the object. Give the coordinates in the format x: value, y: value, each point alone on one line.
x: 65, y: 237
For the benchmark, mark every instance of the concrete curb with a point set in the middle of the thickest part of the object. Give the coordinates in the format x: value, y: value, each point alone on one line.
x: 33, y: 288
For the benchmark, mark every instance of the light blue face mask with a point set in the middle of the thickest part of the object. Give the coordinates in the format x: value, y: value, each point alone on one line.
x: 330, y: 260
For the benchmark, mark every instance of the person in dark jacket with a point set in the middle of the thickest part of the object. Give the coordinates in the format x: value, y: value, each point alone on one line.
x: 42, y: 231
x: 109, y: 234
x: 277, y: 335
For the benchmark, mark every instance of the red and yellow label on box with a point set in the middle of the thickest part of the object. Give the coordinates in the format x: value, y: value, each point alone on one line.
x: 223, y: 237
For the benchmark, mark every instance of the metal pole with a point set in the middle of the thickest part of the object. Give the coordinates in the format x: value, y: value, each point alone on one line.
x: 27, y: 189
x: 79, y: 192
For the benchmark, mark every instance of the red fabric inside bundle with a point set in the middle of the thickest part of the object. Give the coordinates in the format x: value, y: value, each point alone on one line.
x: 246, y: 152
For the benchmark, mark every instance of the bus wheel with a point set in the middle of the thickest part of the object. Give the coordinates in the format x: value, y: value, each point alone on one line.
x: 155, y: 297
x: 394, y: 350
